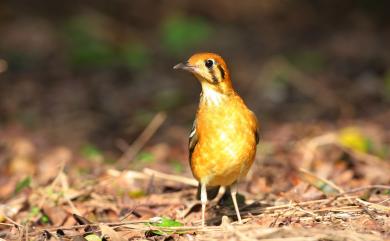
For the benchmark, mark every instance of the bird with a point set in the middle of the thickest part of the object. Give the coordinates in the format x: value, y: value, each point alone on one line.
x: 225, y: 133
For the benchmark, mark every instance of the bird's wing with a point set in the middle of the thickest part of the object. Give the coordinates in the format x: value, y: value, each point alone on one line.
x: 256, y: 127
x: 193, y: 140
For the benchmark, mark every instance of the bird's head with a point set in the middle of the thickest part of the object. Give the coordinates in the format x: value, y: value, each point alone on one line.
x: 210, y: 69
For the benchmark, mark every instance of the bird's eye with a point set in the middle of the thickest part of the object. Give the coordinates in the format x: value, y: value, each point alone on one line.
x: 209, y: 63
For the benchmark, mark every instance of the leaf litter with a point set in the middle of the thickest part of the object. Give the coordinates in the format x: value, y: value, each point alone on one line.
x: 326, y: 185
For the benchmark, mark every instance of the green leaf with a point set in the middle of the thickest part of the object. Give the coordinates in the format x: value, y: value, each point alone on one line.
x: 34, y: 211
x: 164, y: 222
x: 136, y: 55
x: 86, y: 43
x: 177, y: 166
x: 309, y: 60
x: 180, y: 33
x: 92, y: 153
x: 44, y: 219
x: 24, y: 183
x: 145, y: 157
x: 167, y: 222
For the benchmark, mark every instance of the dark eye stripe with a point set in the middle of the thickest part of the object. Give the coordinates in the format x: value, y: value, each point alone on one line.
x: 222, y: 71
x: 212, y: 73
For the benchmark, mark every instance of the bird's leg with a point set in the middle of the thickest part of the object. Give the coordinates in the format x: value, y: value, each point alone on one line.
x: 203, y: 200
x: 233, y: 192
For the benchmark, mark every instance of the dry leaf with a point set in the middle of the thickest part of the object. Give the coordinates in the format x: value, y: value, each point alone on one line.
x: 110, y: 232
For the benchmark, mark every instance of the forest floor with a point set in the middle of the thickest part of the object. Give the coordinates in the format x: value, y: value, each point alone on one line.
x: 309, y: 182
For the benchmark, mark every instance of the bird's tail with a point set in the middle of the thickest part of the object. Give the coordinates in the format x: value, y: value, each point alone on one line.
x: 212, y: 192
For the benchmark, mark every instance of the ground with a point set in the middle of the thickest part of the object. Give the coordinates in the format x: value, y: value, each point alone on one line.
x: 70, y: 196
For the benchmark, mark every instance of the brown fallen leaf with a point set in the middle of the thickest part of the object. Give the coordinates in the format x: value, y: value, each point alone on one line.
x: 110, y: 232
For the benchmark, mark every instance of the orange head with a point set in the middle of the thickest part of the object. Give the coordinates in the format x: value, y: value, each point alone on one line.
x: 210, y: 69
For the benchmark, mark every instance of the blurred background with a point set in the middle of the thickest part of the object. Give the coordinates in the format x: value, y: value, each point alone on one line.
x: 89, y: 76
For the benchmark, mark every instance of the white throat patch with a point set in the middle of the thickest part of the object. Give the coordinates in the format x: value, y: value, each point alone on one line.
x: 211, y: 96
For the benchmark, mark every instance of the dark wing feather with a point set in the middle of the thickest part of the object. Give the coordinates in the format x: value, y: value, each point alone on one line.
x: 257, y: 137
x: 193, y: 140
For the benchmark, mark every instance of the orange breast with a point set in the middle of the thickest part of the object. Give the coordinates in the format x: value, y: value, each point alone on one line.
x: 226, y: 144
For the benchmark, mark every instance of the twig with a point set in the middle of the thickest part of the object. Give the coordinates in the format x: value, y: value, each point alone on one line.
x: 8, y: 224
x: 383, y: 201
x: 358, y: 190
x: 365, y: 188
x: 375, y: 206
x: 142, y: 139
x: 170, y: 177
x: 61, y: 179
x: 263, y: 233
x: 148, y: 173
x: 127, y: 214
x: 283, y: 206
x: 113, y: 224
x: 12, y: 221
x: 65, y: 187
x: 26, y: 232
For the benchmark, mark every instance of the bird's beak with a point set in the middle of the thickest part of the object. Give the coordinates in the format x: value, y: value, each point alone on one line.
x: 185, y: 66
